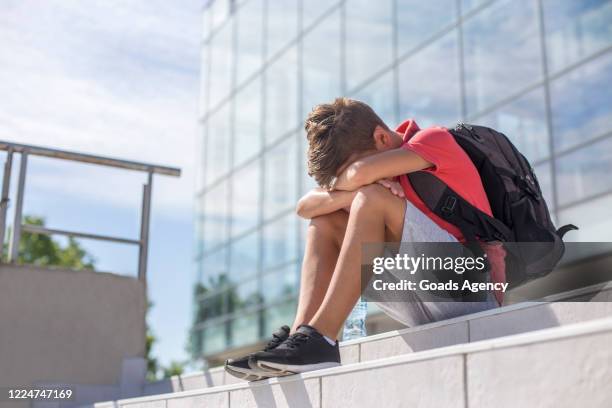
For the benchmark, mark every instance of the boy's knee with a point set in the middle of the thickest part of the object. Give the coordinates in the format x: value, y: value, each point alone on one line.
x: 372, y: 196
x: 332, y: 223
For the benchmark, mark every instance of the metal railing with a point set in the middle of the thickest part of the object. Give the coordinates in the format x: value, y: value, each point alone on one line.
x: 18, y: 226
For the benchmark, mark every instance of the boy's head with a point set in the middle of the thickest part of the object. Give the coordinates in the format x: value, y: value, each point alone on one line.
x: 341, y: 132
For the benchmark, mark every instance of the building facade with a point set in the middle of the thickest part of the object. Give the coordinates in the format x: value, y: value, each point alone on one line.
x: 538, y: 70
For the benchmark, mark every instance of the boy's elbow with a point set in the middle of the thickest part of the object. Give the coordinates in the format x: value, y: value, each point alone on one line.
x: 301, y: 209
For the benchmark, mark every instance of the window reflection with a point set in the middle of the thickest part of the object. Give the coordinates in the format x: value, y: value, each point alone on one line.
x: 245, y: 198
x: 524, y: 122
x: 280, y: 241
x: 413, y: 28
x: 581, y: 103
x: 249, y: 25
x: 282, y: 24
x: 214, y: 336
x: 429, y: 90
x: 315, y: 10
x: 281, y: 177
x: 244, y: 257
x: 218, y: 144
x: 593, y: 218
x: 369, y: 33
x: 280, y: 283
x: 585, y: 172
x: 321, y: 64
x: 281, y: 95
x: 216, y: 216
x: 279, y: 315
x: 247, y: 119
x: 380, y: 95
x: 245, y: 330
x: 502, y: 52
x: 214, y: 272
x: 575, y: 29
x: 221, y: 55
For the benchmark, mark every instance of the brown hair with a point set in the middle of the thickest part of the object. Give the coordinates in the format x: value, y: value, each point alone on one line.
x: 335, y: 131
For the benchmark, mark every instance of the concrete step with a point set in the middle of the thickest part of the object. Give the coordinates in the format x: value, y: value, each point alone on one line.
x: 556, y: 367
x: 560, y: 310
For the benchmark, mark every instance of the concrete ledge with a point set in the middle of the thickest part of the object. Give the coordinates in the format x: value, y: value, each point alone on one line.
x: 490, y: 324
x: 567, y: 366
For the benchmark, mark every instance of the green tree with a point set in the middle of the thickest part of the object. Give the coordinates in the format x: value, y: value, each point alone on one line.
x: 43, y: 250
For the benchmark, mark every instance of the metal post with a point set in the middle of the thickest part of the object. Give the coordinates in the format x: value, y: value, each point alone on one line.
x: 144, y: 228
x: 14, y: 248
x: 4, y: 199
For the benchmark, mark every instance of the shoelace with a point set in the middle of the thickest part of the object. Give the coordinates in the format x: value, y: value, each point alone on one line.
x: 276, y: 340
x: 296, y: 340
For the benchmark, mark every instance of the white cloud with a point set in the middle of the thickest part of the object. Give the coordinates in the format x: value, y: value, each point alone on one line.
x: 108, y: 78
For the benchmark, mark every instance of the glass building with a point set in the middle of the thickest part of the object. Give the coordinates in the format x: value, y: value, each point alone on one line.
x: 538, y: 70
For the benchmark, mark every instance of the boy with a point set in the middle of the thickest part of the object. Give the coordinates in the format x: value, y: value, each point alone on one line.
x: 365, y: 196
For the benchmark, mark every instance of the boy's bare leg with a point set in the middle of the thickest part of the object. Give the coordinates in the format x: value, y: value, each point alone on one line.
x: 323, y: 242
x: 376, y: 216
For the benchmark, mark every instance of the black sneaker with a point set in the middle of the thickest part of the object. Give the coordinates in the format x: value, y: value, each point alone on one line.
x: 239, y: 367
x: 305, y: 350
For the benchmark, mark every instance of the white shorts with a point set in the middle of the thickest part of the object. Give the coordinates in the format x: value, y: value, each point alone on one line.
x: 413, y: 312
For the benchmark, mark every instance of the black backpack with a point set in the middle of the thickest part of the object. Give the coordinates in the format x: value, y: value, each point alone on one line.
x: 520, y: 221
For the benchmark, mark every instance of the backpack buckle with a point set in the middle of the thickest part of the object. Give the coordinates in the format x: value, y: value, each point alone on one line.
x: 449, y: 206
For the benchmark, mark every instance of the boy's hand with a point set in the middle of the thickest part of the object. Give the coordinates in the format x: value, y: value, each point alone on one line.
x: 393, y: 186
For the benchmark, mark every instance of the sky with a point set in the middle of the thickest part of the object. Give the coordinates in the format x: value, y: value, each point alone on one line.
x: 120, y: 79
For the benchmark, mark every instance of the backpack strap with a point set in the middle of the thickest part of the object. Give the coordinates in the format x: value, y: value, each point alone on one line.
x: 565, y: 229
x: 443, y: 201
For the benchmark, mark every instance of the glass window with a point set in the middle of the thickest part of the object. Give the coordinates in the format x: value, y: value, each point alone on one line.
x: 524, y: 122
x: 201, y: 162
x: 244, y: 257
x: 369, y: 39
x: 593, y: 218
x: 214, y: 338
x: 247, y: 139
x: 282, y: 25
x: 380, y: 95
x: 210, y: 307
x: 216, y: 215
x: 543, y: 173
x: 469, y: 5
x: 413, y: 28
x: 314, y: 10
x: 245, y: 330
x: 218, y: 144
x: 219, y: 10
x: 206, y: 22
x: 214, y: 271
x: 246, y: 295
x: 581, y: 103
x: 280, y: 284
x: 280, y: 244
x: 281, y: 95
x: 280, y: 177
x: 321, y: 65
x: 199, y: 226
x: 204, y: 77
x: 245, y: 198
x: 221, y: 64
x: 429, y: 88
x: 502, y: 52
x: 249, y: 26
x: 585, y: 172
x: 575, y: 30
x: 279, y: 315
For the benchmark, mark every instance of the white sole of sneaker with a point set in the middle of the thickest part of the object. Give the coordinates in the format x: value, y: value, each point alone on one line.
x: 247, y: 375
x: 293, y: 369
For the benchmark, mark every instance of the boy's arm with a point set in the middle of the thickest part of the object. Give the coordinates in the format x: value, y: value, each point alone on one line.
x: 379, y: 166
x: 319, y: 201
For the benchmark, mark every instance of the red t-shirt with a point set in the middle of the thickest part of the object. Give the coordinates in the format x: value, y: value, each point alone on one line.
x: 453, y: 166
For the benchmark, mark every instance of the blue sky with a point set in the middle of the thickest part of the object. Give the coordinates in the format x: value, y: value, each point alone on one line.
x: 112, y: 78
